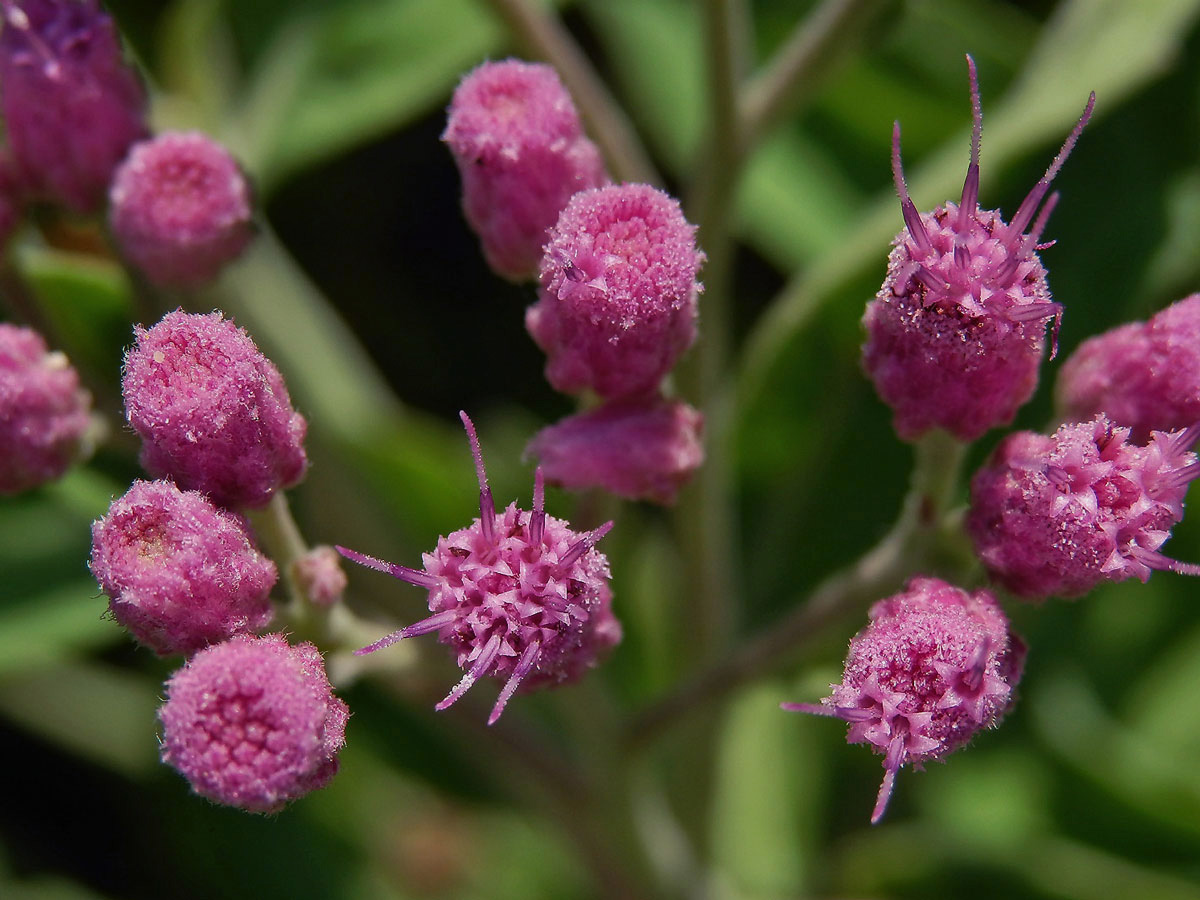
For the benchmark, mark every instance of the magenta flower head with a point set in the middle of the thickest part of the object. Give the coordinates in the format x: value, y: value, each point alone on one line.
x: 521, y: 153
x: 516, y: 595
x: 934, y: 666
x: 212, y: 411
x: 1058, y: 515
x: 643, y: 449
x: 618, y: 293
x: 1144, y: 375
x: 71, y: 105
x: 44, y: 413
x: 180, y: 209
x: 253, y: 723
x: 180, y: 573
x: 955, y: 335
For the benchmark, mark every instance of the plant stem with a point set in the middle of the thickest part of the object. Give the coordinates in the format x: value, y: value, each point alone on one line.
x: 277, y: 529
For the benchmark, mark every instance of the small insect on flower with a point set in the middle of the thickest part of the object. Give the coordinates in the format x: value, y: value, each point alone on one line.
x: 516, y: 595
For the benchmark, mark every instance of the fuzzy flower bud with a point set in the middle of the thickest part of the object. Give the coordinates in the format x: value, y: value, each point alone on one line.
x: 180, y: 573
x: 320, y: 576
x: 618, y: 292
x: 212, y: 411
x: 516, y: 595
x: 934, y: 666
x: 180, y: 209
x: 71, y: 105
x: 43, y: 411
x: 645, y: 449
x: 253, y: 723
x: 521, y: 153
x: 956, y: 332
x: 1059, y: 515
x: 1144, y: 375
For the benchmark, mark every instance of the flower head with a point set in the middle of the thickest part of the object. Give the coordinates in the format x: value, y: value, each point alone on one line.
x: 956, y: 332
x: 516, y: 595
x: 180, y: 573
x: 180, y: 208
x: 617, y: 302
x: 44, y: 413
x: 212, y: 411
x: 934, y: 666
x: 521, y: 153
x: 253, y: 723
x: 320, y: 576
x: 1058, y: 515
x: 71, y: 104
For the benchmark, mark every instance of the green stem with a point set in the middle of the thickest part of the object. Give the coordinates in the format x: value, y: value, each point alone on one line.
x: 280, y: 535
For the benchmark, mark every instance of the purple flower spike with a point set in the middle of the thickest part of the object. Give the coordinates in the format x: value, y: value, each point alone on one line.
x: 517, y: 596
x: 44, y: 413
x: 955, y: 334
x: 253, y: 723
x: 71, y: 105
x: 521, y: 153
x: 644, y: 449
x: 179, y: 572
x: 934, y: 666
x: 180, y: 209
x: 1058, y: 515
x: 1144, y: 375
x: 618, y: 293
x: 212, y: 411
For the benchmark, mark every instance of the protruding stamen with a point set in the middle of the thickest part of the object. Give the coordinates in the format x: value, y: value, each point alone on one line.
x: 817, y: 709
x: 537, y: 519
x: 483, y: 662
x: 1154, y: 560
x: 1033, y: 312
x: 487, y: 506
x: 432, y: 623
x: 404, y: 573
x: 1176, y: 478
x: 912, y: 218
x: 1043, y: 217
x: 1031, y: 202
x: 891, y: 765
x: 970, y: 192
x: 1185, y: 439
x: 584, y: 544
x: 524, y: 666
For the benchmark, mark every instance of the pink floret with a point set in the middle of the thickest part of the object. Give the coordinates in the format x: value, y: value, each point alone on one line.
x: 253, y: 723
x: 618, y: 300
x: 44, y: 413
x: 638, y: 449
x: 320, y: 575
x: 212, y: 411
x: 521, y: 153
x: 180, y: 209
x: 180, y: 573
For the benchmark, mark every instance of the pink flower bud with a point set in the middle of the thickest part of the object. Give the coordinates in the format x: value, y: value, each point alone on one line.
x: 320, y: 576
x: 179, y: 572
x: 253, y: 723
x: 521, y: 153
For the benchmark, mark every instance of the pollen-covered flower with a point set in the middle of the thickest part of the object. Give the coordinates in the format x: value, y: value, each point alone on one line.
x: 253, y: 723
x: 71, y: 104
x: 617, y: 304
x: 44, y: 413
x: 956, y: 333
x: 1143, y: 375
x: 180, y: 209
x: 516, y: 595
x: 212, y: 411
x: 180, y: 573
x: 1058, y: 515
x: 521, y: 153
x: 934, y: 666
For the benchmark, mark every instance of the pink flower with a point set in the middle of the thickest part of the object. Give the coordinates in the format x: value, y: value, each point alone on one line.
x: 517, y: 596
x: 955, y: 335
x: 521, y: 153
x: 320, y: 576
x: 934, y: 666
x: 253, y: 723
x: 617, y: 303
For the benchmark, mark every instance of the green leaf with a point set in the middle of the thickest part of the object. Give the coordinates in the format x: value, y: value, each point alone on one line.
x: 57, y: 624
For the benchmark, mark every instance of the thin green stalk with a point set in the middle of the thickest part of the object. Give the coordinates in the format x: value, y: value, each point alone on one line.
x: 280, y: 535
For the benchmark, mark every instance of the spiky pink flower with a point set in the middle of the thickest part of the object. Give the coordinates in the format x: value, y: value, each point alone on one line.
x: 955, y: 334
x: 1058, y: 515
x: 253, y: 723
x: 320, y: 576
x: 71, y: 104
x: 1143, y: 375
x: 180, y: 573
x: 44, y: 413
x: 934, y: 666
x: 617, y: 304
x: 212, y: 411
x: 516, y: 595
x: 180, y: 208
x: 643, y: 449
x: 521, y: 153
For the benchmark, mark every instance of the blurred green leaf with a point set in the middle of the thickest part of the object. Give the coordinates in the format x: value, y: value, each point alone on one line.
x: 54, y: 625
